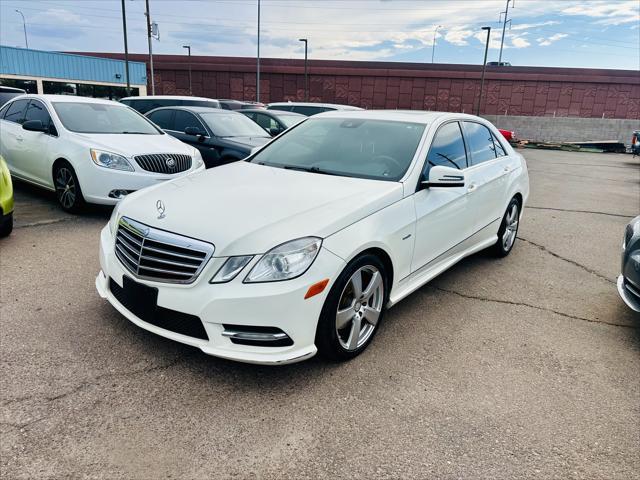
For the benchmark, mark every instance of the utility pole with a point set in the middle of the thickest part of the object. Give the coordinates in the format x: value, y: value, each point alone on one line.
x: 153, y: 83
x: 484, y: 67
x: 258, y: 64
x: 24, y: 25
x: 188, y: 47
x: 306, y: 78
x: 126, y: 48
x: 433, y: 47
x: 504, y: 26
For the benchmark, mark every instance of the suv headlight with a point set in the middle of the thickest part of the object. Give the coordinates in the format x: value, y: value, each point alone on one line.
x: 286, y: 261
x: 110, y: 160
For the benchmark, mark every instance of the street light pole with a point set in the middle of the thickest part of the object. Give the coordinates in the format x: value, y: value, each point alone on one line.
x: 24, y: 24
x: 153, y: 83
x: 126, y: 47
x: 433, y: 47
x: 484, y: 67
x: 188, y: 47
x: 504, y: 27
x: 258, y: 59
x: 306, y: 78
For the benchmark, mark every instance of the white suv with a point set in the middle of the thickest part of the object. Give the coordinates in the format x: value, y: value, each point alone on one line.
x: 87, y: 149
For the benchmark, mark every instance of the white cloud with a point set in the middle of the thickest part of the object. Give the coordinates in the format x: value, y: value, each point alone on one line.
x: 610, y: 13
x: 520, y: 42
x: 545, y: 42
x: 458, y: 36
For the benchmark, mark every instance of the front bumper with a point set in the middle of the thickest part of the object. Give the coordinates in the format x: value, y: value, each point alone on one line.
x: 277, y: 304
x: 629, y: 293
x: 97, y: 185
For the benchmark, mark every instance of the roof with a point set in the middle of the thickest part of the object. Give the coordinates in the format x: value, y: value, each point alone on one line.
x: 41, y: 63
x: 193, y: 109
x: 72, y: 99
x: 169, y: 97
x: 272, y: 112
x: 414, y: 116
x: 312, y: 104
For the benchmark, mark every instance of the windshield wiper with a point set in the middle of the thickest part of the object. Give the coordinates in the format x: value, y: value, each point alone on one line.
x: 135, y: 133
x: 309, y: 169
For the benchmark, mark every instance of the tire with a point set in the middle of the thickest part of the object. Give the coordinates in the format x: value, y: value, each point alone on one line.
x: 6, y: 225
x: 508, y: 230
x: 339, y: 343
x: 68, y: 191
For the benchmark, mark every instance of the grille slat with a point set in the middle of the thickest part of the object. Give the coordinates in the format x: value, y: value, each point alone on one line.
x: 158, y: 255
x: 157, y: 162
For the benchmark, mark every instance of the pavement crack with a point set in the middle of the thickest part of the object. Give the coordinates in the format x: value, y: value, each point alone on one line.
x: 92, y: 381
x: 529, y: 305
x: 593, y: 212
x: 568, y: 260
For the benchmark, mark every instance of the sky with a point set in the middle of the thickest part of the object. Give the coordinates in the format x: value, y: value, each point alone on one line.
x: 556, y: 33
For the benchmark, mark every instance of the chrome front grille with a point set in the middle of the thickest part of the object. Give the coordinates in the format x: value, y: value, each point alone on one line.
x: 167, y: 163
x: 160, y: 256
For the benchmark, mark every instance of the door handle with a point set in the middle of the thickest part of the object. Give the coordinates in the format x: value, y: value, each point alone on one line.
x: 19, y: 139
x: 472, y: 187
x: 507, y: 168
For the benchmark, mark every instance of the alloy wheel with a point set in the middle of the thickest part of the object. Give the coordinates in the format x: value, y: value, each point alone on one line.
x: 359, y: 307
x: 65, y: 187
x: 511, y: 230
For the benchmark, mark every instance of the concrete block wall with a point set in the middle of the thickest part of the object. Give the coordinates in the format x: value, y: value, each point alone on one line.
x: 567, y: 129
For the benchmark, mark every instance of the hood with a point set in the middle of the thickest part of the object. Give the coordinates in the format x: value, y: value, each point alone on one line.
x: 245, y: 208
x: 130, y: 145
x: 250, y: 142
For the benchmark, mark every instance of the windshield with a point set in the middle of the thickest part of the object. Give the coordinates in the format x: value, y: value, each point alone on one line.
x: 376, y: 149
x: 232, y: 124
x: 290, y: 120
x: 102, y: 118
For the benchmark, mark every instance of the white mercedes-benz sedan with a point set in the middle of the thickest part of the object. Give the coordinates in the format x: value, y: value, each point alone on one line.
x: 88, y: 150
x: 301, y: 247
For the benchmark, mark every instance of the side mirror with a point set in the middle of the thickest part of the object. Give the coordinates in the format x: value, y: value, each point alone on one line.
x: 34, y: 126
x: 441, y: 176
x: 195, y: 131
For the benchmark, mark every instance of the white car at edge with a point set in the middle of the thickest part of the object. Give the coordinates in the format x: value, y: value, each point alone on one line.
x: 88, y: 149
x: 301, y: 247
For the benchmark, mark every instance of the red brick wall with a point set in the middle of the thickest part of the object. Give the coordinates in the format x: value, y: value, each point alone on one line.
x: 538, y: 91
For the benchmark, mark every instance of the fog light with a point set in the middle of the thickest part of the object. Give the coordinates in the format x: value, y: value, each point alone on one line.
x: 119, y: 194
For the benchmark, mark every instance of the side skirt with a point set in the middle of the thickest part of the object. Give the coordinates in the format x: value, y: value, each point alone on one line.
x: 478, y: 241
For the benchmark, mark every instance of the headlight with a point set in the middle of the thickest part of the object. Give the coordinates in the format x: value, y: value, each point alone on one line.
x: 113, y: 221
x: 197, y: 158
x: 232, y: 267
x: 110, y: 160
x: 286, y: 261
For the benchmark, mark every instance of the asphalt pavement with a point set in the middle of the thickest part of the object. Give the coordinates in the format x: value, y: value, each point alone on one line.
x: 524, y: 367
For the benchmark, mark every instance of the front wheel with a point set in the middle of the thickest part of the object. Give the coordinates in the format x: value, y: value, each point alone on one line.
x: 6, y: 225
x: 353, y: 309
x: 508, y: 230
x: 68, y: 190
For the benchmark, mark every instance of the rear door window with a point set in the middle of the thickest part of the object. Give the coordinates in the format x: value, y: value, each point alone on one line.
x: 480, y: 142
x: 500, y: 151
x: 15, y: 112
x: 163, y: 118
x: 308, y: 110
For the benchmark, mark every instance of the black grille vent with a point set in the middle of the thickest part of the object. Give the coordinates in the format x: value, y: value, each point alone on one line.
x: 167, y: 163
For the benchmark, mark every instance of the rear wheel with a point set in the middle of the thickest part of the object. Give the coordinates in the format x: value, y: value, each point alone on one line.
x: 68, y: 190
x: 353, y: 309
x: 508, y: 230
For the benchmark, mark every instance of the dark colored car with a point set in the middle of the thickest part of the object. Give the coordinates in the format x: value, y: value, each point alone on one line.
x: 7, y: 93
x: 227, y: 104
x: 220, y: 135
x: 629, y: 279
x: 145, y: 104
x: 273, y: 121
